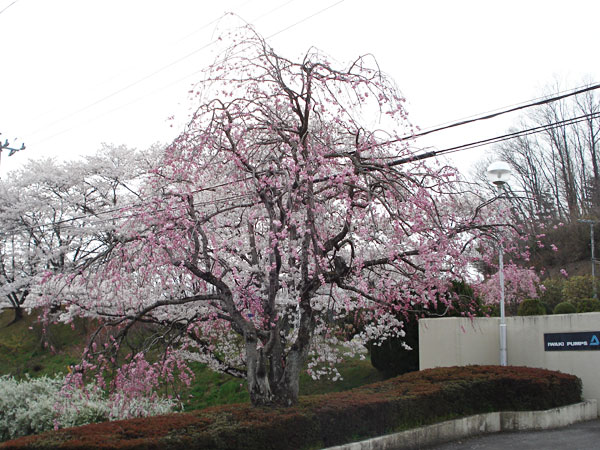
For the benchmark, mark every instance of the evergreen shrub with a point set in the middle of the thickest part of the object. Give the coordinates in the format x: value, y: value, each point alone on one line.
x: 399, y: 355
x: 587, y: 305
x: 565, y: 308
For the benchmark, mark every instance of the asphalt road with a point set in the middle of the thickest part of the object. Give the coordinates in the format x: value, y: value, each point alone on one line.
x: 580, y: 436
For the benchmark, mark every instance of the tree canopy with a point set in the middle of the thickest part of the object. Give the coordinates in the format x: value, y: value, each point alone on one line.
x: 291, y: 201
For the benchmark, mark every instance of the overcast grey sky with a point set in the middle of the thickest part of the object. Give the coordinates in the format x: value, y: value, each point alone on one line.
x: 75, y: 73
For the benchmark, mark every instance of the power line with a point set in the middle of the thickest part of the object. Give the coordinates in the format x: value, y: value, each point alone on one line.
x: 521, y: 133
x: 162, y: 69
x: 126, y: 87
x: 501, y: 108
x: 521, y: 106
x: 470, y: 145
x: 131, y: 65
x: 4, y: 9
x: 544, y: 101
x: 306, y: 18
x: 159, y: 70
x: 497, y: 139
x: 427, y: 155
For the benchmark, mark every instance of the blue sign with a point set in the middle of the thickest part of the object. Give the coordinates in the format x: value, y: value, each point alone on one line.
x: 586, y: 340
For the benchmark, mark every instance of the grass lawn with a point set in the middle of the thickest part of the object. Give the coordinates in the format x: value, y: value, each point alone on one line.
x: 210, y: 388
x: 23, y: 353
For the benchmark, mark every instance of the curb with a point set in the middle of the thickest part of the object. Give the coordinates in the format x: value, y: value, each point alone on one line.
x: 452, y: 430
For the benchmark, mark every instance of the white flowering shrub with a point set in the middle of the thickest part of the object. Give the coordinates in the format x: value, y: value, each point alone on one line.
x: 32, y: 406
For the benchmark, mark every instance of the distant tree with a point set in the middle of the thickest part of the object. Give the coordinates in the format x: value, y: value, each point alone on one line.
x: 54, y: 217
x: 557, y: 169
x: 520, y: 284
x: 555, y: 177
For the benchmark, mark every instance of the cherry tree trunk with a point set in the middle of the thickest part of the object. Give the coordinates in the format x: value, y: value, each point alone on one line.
x: 270, y: 380
x: 289, y: 385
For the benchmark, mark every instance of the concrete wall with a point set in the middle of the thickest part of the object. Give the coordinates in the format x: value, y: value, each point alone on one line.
x: 462, y: 341
x: 466, y: 427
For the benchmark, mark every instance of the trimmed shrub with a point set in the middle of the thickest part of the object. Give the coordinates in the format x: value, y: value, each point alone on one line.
x: 413, y: 399
x: 565, y: 308
x: 531, y: 307
x: 587, y: 305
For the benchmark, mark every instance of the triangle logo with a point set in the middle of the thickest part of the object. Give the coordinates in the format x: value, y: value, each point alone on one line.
x: 595, y: 340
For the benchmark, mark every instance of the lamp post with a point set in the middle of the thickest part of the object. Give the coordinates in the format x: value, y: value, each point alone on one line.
x: 498, y: 173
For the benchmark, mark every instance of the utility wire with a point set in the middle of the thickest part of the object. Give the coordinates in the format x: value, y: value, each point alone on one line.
x: 412, y: 158
x: 4, y: 9
x: 124, y: 208
x: 131, y: 66
x: 427, y: 155
x: 522, y: 133
x: 501, y: 108
x: 544, y: 101
x: 162, y: 69
x: 408, y: 137
x: 124, y: 105
x: 404, y: 160
x: 430, y: 154
x: 496, y: 139
x: 123, y: 89
x: 305, y: 19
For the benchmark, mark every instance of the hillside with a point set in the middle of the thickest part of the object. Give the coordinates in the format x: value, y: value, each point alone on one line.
x: 25, y: 350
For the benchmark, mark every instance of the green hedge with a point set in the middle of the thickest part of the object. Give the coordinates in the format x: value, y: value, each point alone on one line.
x: 410, y: 400
x: 586, y: 305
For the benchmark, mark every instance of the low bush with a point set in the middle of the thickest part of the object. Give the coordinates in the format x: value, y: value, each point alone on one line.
x: 565, y: 308
x: 410, y: 400
x: 531, y: 307
x: 36, y: 405
x: 587, y: 305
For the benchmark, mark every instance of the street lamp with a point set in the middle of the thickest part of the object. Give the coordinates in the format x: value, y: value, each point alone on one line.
x: 498, y: 173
